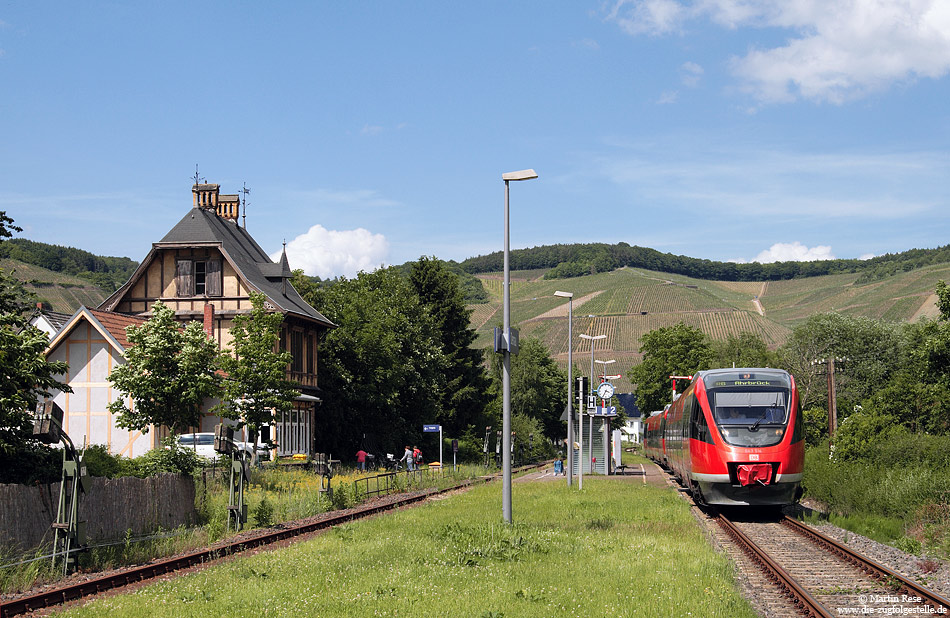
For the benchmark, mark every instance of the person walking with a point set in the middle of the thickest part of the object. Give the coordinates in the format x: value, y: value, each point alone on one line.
x: 361, y: 460
x: 407, y: 457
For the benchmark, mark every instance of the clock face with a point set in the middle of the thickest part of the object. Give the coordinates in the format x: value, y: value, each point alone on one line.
x: 606, y: 390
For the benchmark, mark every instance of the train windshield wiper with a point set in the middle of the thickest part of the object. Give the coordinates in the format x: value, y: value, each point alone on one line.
x: 755, y: 425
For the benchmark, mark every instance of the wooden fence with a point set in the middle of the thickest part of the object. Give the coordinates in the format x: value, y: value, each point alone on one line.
x: 110, y: 508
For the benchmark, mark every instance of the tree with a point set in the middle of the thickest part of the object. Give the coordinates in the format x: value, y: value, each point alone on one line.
x: 168, y: 373
x: 256, y: 385
x: 382, y: 369
x: 466, y: 383
x: 537, y: 387
x: 867, y: 349
x: 673, y: 350
x: 25, y: 376
x: 745, y: 350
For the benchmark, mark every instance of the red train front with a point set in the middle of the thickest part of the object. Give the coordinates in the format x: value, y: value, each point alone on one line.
x: 736, y: 437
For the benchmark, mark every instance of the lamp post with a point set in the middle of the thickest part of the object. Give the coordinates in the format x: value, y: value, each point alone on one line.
x: 570, y: 382
x: 580, y: 425
x: 604, y: 368
x: 506, y: 362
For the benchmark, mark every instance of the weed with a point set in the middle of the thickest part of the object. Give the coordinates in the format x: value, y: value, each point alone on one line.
x: 908, y: 545
x: 264, y: 512
x: 928, y: 566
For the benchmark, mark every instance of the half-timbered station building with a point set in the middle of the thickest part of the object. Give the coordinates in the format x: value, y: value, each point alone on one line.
x: 205, y: 268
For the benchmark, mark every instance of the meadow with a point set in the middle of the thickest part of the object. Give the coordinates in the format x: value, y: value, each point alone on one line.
x: 617, y: 548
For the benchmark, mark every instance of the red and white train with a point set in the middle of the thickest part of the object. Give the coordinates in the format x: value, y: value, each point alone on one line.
x: 734, y: 437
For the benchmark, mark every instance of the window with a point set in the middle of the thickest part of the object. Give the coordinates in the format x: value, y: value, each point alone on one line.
x: 311, y: 355
x: 198, y: 278
x: 296, y: 351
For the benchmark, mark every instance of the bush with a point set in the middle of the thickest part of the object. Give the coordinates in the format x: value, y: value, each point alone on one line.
x: 32, y: 464
x: 860, y: 435
x: 100, y: 462
x: 169, y: 457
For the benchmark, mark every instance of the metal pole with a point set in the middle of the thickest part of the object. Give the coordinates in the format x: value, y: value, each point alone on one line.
x: 506, y: 383
x: 580, y: 438
x: 570, y: 392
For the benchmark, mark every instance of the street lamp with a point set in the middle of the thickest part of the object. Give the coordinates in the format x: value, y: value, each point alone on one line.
x: 604, y: 368
x: 506, y: 362
x: 570, y: 381
x: 580, y: 425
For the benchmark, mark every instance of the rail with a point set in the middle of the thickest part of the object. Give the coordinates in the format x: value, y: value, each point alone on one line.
x: 876, y: 570
x: 805, y: 601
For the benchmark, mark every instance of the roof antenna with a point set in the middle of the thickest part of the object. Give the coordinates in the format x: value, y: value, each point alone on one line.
x: 199, y: 180
x: 245, y: 191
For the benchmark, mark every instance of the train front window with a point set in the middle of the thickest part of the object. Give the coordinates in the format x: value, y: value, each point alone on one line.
x: 751, y: 417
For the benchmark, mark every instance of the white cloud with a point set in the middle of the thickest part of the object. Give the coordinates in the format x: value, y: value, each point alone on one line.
x: 371, y: 129
x: 794, y: 252
x: 648, y: 16
x: 866, y: 256
x: 330, y: 253
x: 836, y: 50
x: 690, y: 74
x: 586, y: 44
x: 668, y: 97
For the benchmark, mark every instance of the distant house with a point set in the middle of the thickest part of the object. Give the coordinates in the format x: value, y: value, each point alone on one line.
x: 48, y: 321
x: 205, y: 268
x: 92, y: 343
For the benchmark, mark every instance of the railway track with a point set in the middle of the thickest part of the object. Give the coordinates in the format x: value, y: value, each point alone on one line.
x: 97, y: 585
x: 818, y: 576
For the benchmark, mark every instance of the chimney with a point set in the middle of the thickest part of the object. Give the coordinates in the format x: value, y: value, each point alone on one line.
x: 228, y: 206
x: 205, y: 196
x: 209, y: 320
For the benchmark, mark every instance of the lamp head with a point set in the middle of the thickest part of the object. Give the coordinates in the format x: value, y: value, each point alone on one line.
x: 519, y: 175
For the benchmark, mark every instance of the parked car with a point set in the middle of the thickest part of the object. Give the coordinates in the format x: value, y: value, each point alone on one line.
x: 203, y: 445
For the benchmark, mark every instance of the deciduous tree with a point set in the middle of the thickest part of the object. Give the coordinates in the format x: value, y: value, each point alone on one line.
x: 673, y: 350
x: 466, y: 382
x: 537, y: 387
x: 169, y: 372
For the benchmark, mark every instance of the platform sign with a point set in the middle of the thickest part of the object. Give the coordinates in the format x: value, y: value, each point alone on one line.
x: 431, y: 428
x: 608, y: 411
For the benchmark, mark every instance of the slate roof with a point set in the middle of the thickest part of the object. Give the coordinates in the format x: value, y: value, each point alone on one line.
x: 203, y: 227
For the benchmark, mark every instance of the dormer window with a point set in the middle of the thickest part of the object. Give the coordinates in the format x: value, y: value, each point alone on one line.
x: 198, y: 278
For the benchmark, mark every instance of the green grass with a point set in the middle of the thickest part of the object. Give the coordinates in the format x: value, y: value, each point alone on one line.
x: 615, y: 549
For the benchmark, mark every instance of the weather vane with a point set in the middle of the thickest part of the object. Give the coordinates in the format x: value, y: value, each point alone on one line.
x: 245, y: 191
x: 198, y: 179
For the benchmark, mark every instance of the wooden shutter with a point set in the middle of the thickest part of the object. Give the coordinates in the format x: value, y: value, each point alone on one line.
x: 185, y: 278
x: 213, y: 277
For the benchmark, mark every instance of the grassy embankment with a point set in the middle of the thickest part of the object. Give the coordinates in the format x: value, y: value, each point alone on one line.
x: 899, y: 496
x: 616, y: 549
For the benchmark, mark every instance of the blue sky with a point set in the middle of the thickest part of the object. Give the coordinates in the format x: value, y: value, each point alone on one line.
x: 377, y: 132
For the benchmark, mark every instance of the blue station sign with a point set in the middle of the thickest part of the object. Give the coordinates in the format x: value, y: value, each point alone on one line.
x: 431, y: 428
